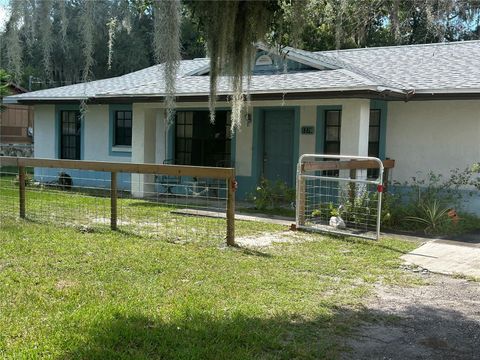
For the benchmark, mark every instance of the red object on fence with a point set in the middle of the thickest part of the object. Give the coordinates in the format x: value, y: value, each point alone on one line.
x: 380, y: 188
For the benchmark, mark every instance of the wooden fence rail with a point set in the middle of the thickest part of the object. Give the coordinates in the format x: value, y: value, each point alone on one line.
x: 227, y: 174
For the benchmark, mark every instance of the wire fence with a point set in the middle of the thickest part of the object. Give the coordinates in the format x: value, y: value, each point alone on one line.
x: 175, y: 203
x: 335, y: 194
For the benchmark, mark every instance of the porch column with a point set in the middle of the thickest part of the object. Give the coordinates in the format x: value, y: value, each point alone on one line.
x: 354, y: 133
x: 143, y: 148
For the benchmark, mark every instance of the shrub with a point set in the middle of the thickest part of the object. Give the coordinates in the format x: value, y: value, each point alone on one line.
x: 432, y: 216
x: 272, y: 195
x: 28, y: 180
x: 427, y: 200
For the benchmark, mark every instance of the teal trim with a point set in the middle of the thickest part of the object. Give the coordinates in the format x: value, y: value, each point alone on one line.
x: 170, y: 142
x: 171, y: 133
x: 246, y: 187
x: 320, y: 130
x: 68, y: 107
x: 383, y: 107
x: 296, y: 142
x: 111, y: 132
x: 259, y: 136
x: 257, y: 144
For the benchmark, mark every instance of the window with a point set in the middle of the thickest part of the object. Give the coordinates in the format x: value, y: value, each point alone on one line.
x: 333, y: 123
x: 374, y: 139
x: 123, y: 128
x: 332, y: 132
x: 198, y: 142
x: 70, y: 126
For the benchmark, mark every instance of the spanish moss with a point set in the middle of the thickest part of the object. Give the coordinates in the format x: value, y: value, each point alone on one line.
x: 87, y: 21
x: 45, y: 29
x: 232, y: 30
x: 63, y: 19
x: 167, y: 47
x: 14, y: 47
x: 111, y: 25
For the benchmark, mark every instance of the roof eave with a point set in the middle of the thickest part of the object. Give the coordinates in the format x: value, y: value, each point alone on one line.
x: 23, y: 99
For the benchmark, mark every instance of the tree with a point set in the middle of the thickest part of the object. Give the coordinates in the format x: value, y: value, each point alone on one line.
x: 80, y: 40
x: 4, y: 81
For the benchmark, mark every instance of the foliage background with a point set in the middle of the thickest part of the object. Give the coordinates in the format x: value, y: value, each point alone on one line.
x: 47, y: 39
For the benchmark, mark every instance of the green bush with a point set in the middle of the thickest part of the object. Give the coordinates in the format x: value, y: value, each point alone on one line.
x: 28, y: 180
x: 272, y: 195
x: 325, y: 211
x: 425, y: 205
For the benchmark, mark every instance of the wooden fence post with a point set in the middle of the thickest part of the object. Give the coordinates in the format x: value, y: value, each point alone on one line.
x: 21, y: 188
x: 113, y: 200
x: 353, y: 188
x: 231, y: 187
x: 301, y: 200
x: 385, y: 179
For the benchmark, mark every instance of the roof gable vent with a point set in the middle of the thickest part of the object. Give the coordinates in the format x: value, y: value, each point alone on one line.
x: 264, y: 60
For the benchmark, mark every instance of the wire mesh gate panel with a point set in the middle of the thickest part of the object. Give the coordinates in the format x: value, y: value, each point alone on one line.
x: 176, y: 203
x: 339, y: 194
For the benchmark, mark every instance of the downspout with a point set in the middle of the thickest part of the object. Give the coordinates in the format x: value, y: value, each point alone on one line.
x: 410, y: 93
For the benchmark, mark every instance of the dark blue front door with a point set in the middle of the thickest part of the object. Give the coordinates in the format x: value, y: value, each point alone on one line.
x: 278, y: 146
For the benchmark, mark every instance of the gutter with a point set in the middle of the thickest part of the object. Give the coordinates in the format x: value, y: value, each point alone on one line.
x: 20, y: 99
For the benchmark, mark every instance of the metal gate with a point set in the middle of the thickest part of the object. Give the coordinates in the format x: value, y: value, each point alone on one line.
x: 340, y: 194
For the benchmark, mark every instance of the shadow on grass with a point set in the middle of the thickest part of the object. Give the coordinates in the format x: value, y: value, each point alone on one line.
x: 149, y: 204
x: 372, y: 243
x: 252, y: 252
x: 354, y: 240
x: 414, y: 332
x: 203, y: 337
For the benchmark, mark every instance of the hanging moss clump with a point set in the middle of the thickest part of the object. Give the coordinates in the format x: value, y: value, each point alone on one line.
x: 13, y: 44
x: 232, y: 28
x: 111, y: 26
x: 45, y: 29
x: 87, y: 34
x: 167, y: 46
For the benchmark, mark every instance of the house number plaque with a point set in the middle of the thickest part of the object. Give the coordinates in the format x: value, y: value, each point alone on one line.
x: 308, y: 130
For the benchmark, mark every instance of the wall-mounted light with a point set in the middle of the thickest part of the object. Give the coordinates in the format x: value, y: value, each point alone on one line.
x: 249, y: 119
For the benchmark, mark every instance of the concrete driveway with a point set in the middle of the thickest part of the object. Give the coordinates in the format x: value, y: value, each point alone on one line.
x: 460, y: 256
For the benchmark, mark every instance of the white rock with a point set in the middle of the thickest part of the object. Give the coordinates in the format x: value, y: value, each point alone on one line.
x: 337, y: 222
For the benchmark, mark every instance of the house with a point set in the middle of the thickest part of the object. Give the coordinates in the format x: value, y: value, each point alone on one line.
x: 417, y: 104
x: 16, y: 126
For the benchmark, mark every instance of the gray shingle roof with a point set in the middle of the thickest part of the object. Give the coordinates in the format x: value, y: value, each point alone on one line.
x: 433, y: 68
x: 423, y: 68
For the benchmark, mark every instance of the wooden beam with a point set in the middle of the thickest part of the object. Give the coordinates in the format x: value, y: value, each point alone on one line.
x: 301, y: 200
x: 231, y: 186
x: 345, y: 165
x: 173, y: 170
x: 21, y: 190
x: 113, y: 200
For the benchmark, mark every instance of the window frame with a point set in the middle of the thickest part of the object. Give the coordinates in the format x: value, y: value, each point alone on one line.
x: 325, y: 131
x: 327, y: 142
x: 373, y: 173
x: 191, y: 147
x: 125, y: 141
x: 77, y: 148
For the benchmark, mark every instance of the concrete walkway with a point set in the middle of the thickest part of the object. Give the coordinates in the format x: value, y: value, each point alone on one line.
x: 271, y: 219
x: 447, y: 257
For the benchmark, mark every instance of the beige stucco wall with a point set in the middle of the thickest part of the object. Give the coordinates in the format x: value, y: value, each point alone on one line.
x: 432, y: 135
x: 44, y: 131
x: 97, y: 134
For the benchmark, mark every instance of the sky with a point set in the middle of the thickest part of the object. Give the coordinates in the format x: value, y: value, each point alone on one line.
x: 4, y: 13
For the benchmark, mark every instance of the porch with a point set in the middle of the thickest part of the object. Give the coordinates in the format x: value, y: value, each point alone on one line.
x: 269, y: 143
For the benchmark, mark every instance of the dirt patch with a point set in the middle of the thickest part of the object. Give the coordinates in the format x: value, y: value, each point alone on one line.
x: 440, y: 320
x: 268, y: 239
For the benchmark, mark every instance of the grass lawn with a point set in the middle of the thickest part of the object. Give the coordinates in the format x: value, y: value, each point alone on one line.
x: 72, y: 294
